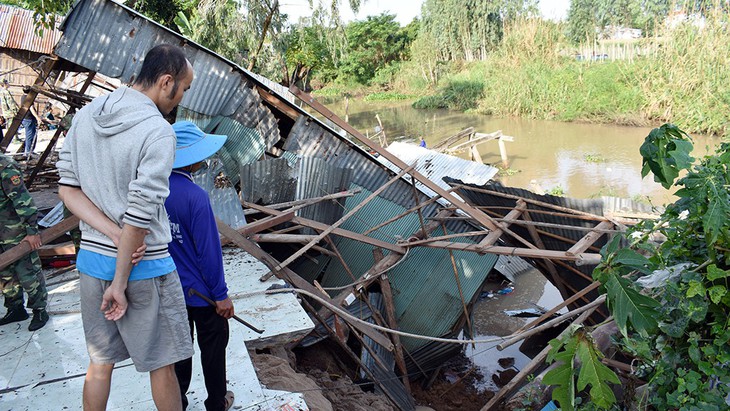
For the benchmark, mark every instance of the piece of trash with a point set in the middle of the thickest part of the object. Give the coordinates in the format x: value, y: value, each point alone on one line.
x: 525, y: 313
x: 451, y: 376
x: 506, y: 290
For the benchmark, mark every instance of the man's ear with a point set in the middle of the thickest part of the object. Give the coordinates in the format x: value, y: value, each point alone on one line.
x: 165, y: 81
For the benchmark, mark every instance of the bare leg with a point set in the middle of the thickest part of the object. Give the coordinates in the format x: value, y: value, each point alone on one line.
x: 96, y: 386
x: 165, y: 389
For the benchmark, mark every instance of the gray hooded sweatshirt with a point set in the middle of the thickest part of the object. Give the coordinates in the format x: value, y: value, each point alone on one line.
x: 120, y: 151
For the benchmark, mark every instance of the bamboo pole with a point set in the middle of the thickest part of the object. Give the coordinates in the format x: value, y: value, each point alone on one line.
x: 345, y: 217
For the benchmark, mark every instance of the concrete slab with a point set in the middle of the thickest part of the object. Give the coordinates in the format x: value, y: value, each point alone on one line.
x: 45, y: 370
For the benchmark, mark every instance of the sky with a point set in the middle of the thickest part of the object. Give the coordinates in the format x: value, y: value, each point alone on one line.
x: 405, y: 10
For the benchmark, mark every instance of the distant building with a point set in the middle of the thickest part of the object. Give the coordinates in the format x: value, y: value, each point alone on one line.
x: 620, y: 33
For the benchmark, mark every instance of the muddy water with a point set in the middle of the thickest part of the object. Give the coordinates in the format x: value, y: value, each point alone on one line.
x: 531, y: 291
x: 582, y: 160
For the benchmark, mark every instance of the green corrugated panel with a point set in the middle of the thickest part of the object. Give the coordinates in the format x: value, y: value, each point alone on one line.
x: 426, y: 294
x: 243, y: 146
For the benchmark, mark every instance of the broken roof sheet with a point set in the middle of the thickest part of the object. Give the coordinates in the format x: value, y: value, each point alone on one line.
x: 427, y: 298
x: 18, y: 31
x: 436, y: 166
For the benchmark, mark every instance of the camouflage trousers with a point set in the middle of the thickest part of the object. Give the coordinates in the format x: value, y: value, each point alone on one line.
x: 24, y: 274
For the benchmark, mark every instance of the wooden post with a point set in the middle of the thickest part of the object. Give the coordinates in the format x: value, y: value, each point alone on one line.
x: 45, y: 71
x: 503, y: 152
x: 393, y: 323
x: 383, y: 138
x: 458, y: 286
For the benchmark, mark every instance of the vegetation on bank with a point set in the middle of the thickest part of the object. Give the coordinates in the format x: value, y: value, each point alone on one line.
x: 669, y: 299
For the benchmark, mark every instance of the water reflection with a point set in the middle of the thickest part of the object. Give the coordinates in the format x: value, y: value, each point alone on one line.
x: 585, y: 160
x: 531, y: 290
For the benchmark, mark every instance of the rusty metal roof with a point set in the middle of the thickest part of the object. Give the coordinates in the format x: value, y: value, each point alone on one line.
x: 18, y: 31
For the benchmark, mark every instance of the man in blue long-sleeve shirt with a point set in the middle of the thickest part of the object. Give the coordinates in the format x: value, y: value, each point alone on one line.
x: 196, y: 250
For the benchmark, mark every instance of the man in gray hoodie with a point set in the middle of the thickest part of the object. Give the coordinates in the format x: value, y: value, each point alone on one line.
x: 114, y: 168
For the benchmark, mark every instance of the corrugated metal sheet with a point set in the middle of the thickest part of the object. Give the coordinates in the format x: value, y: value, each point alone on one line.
x: 426, y: 294
x: 430, y: 357
x: 112, y: 40
x: 18, y: 31
x: 243, y: 146
x: 511, y: 267
x: 310, y: 139
x: 436, y: 166
x: 270, y: 181
x: 316, y: 178
x: 223, y: 200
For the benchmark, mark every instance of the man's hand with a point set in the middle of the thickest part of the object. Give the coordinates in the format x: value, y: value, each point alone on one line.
x: 114, y: 302
x: 224, y: 308
x: 34, y: 241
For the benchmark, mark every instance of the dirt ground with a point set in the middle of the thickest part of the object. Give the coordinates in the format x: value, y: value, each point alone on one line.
x: 329, y: 382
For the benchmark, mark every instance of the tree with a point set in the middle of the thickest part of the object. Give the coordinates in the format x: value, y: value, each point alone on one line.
x: 371, y: 44
x: 471, y: 29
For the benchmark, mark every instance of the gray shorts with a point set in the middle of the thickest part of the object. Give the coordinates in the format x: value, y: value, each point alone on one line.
x: 154, y: 331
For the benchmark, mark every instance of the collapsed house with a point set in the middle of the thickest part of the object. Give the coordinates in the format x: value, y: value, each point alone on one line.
x: 389, y: 241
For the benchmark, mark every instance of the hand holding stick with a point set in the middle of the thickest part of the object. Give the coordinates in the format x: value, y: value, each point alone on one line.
x: 193, y: 291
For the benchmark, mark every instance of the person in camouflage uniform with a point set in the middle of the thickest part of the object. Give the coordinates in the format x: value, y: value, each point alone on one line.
x: 18, y: 216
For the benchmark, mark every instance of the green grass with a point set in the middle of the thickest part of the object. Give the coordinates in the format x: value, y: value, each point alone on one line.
x: 684, y: 80
x: 387, y: 96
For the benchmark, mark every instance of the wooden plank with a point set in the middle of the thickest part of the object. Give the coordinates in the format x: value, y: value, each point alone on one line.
x: 479, y: 216
x: 400, y: 360
x: 48, y: 235
x: 289, y: 275
x: 589, y: 238
x: 338, y: 231
x: 452, y: 139
x: 268, y: 222
x: 281, y: 238
x: 277, y: 103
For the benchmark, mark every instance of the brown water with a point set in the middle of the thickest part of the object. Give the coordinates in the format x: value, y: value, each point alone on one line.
x: 584, y: 160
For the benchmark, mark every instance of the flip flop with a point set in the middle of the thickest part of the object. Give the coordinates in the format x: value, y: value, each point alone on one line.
x: 229, y: 399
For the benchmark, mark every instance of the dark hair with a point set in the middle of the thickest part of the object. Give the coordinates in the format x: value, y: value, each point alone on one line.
x: 161, y: 60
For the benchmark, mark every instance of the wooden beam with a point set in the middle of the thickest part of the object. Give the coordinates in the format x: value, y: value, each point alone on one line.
x: 452, y: 139
x: 344, y: 218
x: 512, y: 215
x: 589, y: 238
x: 47, y: 235
x: 306, y: 201
x: 277, y: 103
x: 400, y: 361
x: 530, y: 367
x: 265, y: 223
x: 12, y: 129
x: 338, y: 231
x: 410, y: 210
x: 558, y: 307
x: 281, y: 238
x: 482, y: 218
x: 290, y: 276
x: 580, y: 259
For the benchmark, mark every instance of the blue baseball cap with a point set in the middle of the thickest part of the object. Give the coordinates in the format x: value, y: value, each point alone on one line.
x: 193, y: 145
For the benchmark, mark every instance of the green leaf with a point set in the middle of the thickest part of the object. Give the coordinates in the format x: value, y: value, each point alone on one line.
x: 562, y: 376
x: 714, y: 219
x: 714, y: 273
x: 628, y: 305
x: 595, y: 374
x: 633, y: 259
x: 716, y: 292
x: 695, y: 288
